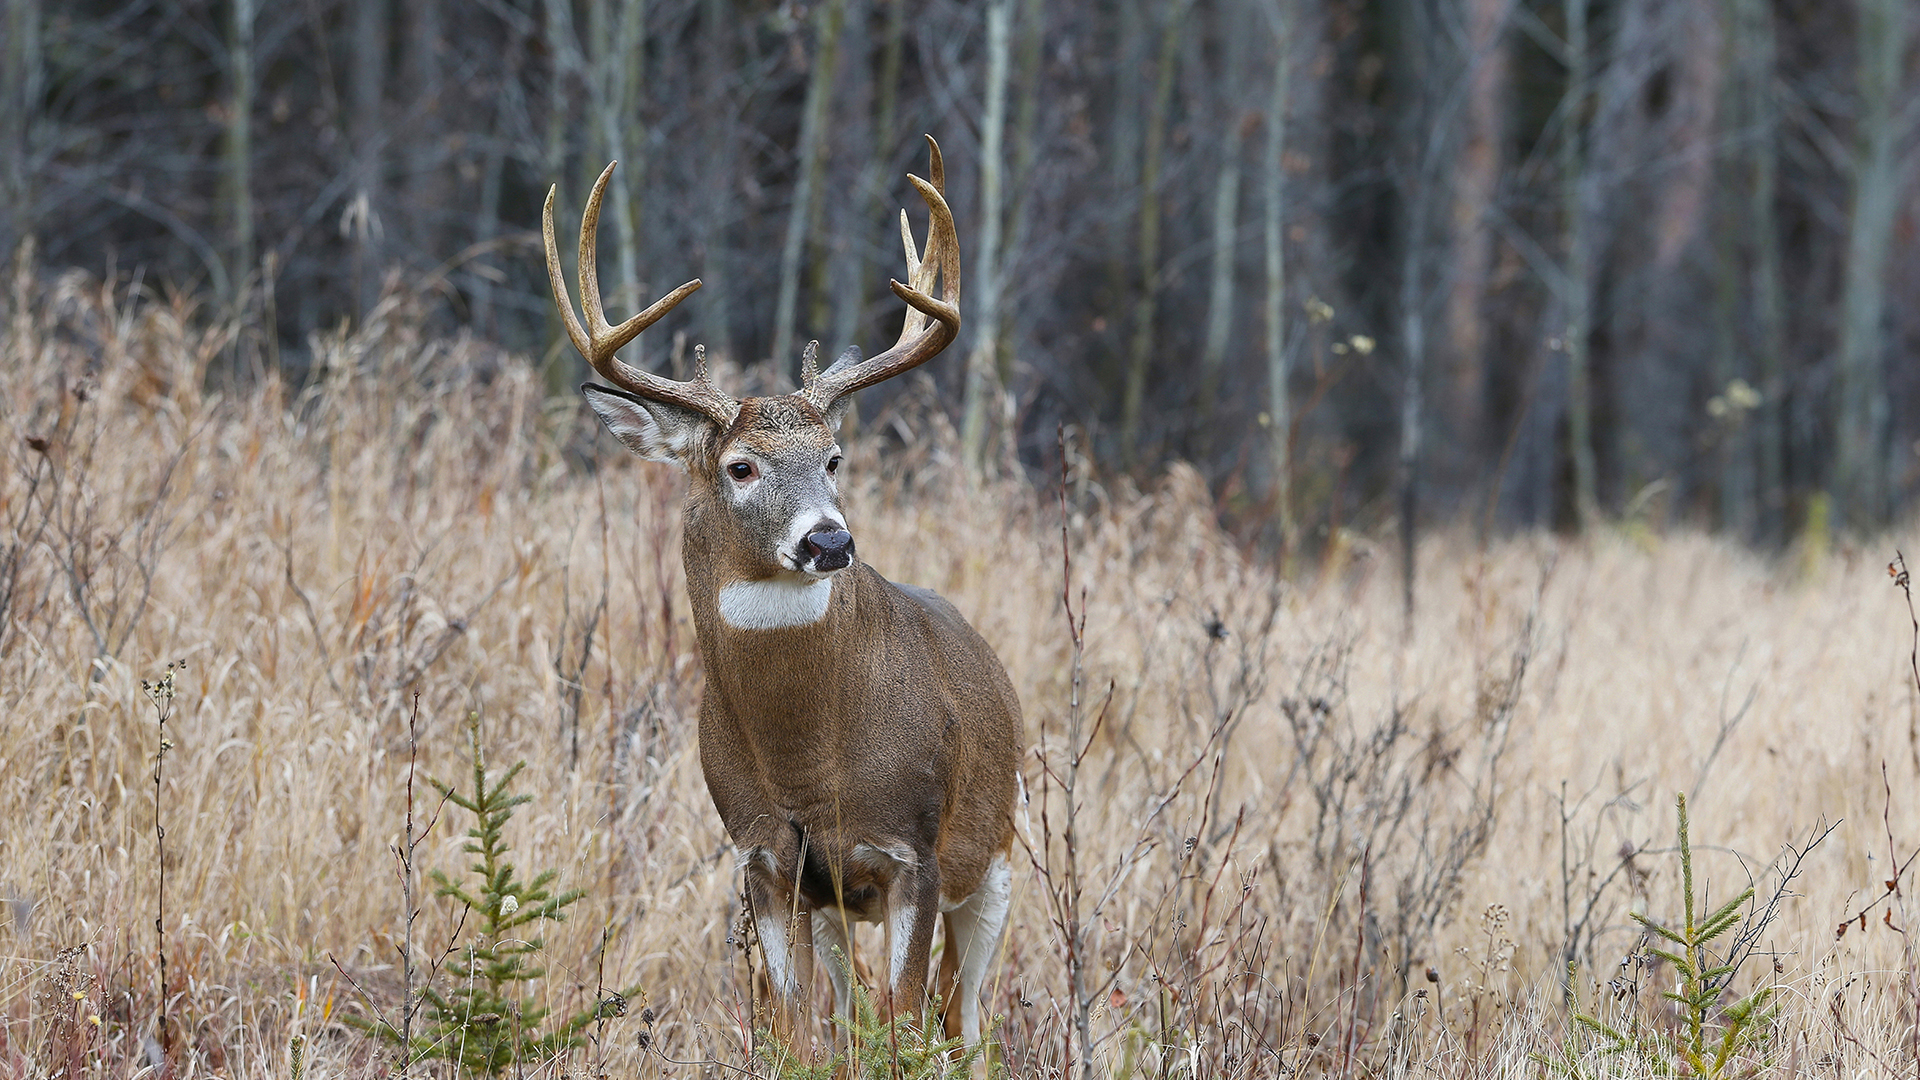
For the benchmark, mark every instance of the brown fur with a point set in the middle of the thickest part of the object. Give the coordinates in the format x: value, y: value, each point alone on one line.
x: 888, y: 722
x: 865, y: 762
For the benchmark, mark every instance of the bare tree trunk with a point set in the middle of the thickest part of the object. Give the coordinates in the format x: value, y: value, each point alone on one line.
x: 843, y: 294
x: 1026, y: 126
x: 370, y: 19
x: 828, y: 270
x: 237, y: 147
x: 1412, y: 408
x: 717, y: 26
x: 509, y: 103
x: 491, y: 170
x: 1859, y: 486
x: 21, y: 84
x: 618, y: 30
x: 426, y: 189
x: 1579, y: 272
x: 1747, y: 250
x: 986, y: 330
x: 806, y: 183
x: 1274, y: 178
x: 1733, y: 457
x: 874, y: 178
x: 892, y: 54
x: 1756, y: 31
x: 562, y: 55
x: 1226, y: 213
x: 1475, y: 176
x: 559, y: 44
x: 1425, y: 137
x: 1123, y: 157
x: 1140, y: 353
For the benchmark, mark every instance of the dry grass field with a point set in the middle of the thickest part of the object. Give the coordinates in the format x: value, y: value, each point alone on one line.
x: 1302, y: 838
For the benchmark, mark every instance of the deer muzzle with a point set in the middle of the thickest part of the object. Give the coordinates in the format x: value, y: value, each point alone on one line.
x: 830, y: 549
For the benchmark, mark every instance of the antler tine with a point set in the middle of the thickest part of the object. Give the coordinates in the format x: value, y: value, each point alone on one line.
x: 810, y: 364
x: 557, y: 278
x: 931, y: 324
x: 599, y: 342
x: 915, y: 321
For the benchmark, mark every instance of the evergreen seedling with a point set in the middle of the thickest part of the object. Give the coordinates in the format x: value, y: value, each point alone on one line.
x: 1706, y: 1045
x: 484, y: 1021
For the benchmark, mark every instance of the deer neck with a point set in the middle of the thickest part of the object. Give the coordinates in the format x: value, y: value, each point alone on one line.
x: 777, y: 649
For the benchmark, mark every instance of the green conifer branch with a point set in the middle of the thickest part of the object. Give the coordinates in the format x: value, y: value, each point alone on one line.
x: 1708, y: 1046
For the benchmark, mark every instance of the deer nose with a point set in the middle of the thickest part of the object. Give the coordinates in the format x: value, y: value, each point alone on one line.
x: 831, y: 549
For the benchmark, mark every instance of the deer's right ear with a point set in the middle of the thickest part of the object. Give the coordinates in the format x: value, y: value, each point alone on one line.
x: 655, y: 430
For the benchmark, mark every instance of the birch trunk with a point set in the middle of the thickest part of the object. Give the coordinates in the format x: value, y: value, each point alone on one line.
x: 1226, y: 214
x: 981, y: 364
x: 619, y: 33
x: 1770, y: 429
x: 875, y: 181
x: 426, y: 156
x: 828, y: 275
x: 1140, y: 352
x: 717, y: 26
x: 1273, y: 175
x: 370, y: 19
x: 1747, y: 276
x: 1412, y: 402
x: 21, y: 86
x: 1859, y: 486
x: 1428, y: 126
x: 1033, y: 17
x: 558, y: 16
x: 806, y: 182
x: 237, y: 145
x: 1123, y: 155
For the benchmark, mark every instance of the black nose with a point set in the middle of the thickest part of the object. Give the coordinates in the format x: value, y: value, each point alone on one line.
x: 831, y: 549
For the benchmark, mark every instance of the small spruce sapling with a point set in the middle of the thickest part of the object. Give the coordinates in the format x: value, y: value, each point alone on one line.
x: 1713, y: 1035
x: 483, y: 1021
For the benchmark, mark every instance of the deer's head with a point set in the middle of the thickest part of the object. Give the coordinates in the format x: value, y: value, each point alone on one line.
x: 765, y: 507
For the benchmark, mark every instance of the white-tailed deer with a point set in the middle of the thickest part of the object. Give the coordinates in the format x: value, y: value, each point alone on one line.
x: 859, y: 739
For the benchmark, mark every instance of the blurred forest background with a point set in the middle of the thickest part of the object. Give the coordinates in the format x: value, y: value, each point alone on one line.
x: 1519, y: 263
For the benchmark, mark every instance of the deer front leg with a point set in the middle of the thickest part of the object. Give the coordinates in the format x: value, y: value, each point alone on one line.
x: 786, y: 946
x: 913, y: 907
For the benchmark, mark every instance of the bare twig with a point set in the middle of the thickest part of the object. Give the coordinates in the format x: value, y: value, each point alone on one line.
x: 1897, y: 570
x: 161, y: 694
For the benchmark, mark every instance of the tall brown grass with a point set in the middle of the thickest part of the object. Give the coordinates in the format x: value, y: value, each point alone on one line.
x: 1308, y: 838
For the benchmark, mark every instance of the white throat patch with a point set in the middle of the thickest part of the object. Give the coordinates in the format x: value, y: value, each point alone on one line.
x: 774, y: 604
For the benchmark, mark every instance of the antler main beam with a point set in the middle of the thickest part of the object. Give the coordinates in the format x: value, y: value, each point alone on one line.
x: 931, y: 324
x: 599, y: 341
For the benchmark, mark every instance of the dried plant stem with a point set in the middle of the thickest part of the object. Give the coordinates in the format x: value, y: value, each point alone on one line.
x: 1897, y: 569
x: 409, y: 910
x: 160, y: 695
x: 1359, y: 952
x: 1076, y: 930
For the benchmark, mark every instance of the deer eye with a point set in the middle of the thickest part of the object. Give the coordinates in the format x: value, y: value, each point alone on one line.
x: 833, y: 464
x: 741, y: 471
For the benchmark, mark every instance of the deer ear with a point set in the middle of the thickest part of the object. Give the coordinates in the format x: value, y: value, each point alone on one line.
x: 837, y: 411
x: 655, y: 430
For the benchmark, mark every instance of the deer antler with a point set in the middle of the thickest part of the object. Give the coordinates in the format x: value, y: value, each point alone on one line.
x: 599, y: 341
x: 920, y: 340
